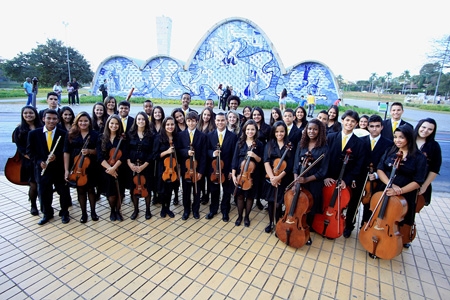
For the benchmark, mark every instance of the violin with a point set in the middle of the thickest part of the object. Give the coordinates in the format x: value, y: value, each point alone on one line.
x: 279, y: 164
x: 170, y: 164
x: 115, y: 153
x: 244, y: 179
x: 217, y: 176
x: 292, y: 229
x: 331, y: 222
x: 191, y: 168
x: 139, y: 184
x: 78, y: 176
x: 369, y: 187
x: 380, y: 235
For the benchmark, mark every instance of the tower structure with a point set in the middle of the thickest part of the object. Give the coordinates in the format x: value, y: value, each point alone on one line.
x: 163, y: 34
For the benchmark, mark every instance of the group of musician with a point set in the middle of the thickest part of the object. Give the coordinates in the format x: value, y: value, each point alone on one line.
x: 214, y: 156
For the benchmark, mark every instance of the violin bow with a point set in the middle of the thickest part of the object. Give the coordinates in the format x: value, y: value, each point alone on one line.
x: 195, y: 171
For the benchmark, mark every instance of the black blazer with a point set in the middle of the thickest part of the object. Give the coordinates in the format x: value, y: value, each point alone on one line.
x: 200, y: 145
x: 374, y: 156
x: 130, y: 122
x: 227, y: 149
x: 336, y: 156
x: 294, y: 137
x: 387, y: 128
x: 38, y: 151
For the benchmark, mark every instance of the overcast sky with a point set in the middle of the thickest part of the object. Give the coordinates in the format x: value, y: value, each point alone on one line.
x: 353, y: 38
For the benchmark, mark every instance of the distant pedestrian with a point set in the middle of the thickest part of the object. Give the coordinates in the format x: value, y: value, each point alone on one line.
x: 28, y: 88
x: 282, y: 100
x: 76, y: 86
x: 104, y: 89
x: 70, y: 93
x: 34, y: 91
x: 311, y: 104
x: 57, y: 88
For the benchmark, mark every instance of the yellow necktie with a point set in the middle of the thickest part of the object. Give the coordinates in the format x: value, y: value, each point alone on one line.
x: 394, y: 126
x: 191, y: 136
x: 220, y: 139
x: 344, y: 142
x: 372, y: 144
x: 124, y: 125
x: 49, y: 140
x: 289, y: 130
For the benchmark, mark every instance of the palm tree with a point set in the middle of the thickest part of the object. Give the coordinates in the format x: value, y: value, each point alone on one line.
x: 406, y: 76
x: 388, y: 78
x: 372, y: 78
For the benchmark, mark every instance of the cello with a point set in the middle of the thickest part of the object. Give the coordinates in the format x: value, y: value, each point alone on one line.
x: 244, y: 179
x: 380, y: 235
x: 139, y: 184
x: 292, y: 228
x: 12, y: 169
x: 409, y: 232
x: 331, y: 222
x: 78, y: 176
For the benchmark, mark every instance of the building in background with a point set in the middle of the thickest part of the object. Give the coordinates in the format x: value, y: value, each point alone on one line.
x: 163, y: 34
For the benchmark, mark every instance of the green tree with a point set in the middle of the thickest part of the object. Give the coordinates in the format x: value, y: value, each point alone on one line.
x: 372, y: 79
x: 49, y: 63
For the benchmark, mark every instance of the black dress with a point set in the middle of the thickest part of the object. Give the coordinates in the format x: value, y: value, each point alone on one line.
x: 142, y: 150
x: 433, y: 154
x: 27, y: 168
x: 159, y: 146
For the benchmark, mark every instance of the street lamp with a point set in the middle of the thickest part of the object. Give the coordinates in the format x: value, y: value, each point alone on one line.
x: 440, y: 71
x: 67, y: 50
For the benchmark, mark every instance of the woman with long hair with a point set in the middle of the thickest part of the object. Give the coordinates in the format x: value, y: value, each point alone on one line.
x: 29, y: 120
x: 275, y: 115
x: 300, y: 117
x: 79, y: 150
x: 314, y: 141
x: 247, y: 142
x: 110, y: 139
x: 66, y: 118
x: 206, y: 123
x: 163, y: 147
x: 247, y: 114
x: 99, y: 117
x: 282, y: 100
x: 157, y: 118
x: 233, y: 122
x: 276, y: 183
x: 410, y: 174
x: 111, y: 105
x: 425, y: 133
x: 140, y: 151
x: 333, y: 120
x: 180, y: 121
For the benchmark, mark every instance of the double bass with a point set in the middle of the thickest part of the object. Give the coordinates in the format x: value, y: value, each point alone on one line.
x: 331, y: 222
x: 380, y: 235
x: 78, y: 176
x: 292, y: 228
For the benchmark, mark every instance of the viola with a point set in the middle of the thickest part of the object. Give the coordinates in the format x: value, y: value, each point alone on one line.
x: 331, y: 222
x: 217, y: 176
x: 78, y: 175
x: 292, y: 229
x: 380, y: 235
x: 244, y: 179
x: 139, y: 184
x: 369, y: 187
x: 170, y: 164
x: 279, y: 164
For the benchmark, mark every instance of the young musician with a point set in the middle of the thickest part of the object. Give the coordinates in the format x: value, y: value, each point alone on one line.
x: 275, y: 184
x: 425, y: 132
x: 395, y: 121
x: 333, y: 120
x: 111, y: 105
x: 148, y: 108
x: 206, y: 124
x: 99, y: 117
x: 294, y: 134
x: 300, y: 117
x: 192, y: 144
x: 410, y: 174
x: 227, y: 142
x: 246, y: 113
x: 52, y: 102
x: 124, y: 111
x: 185, y: 101
x: 275, y: 115
x: 233, y: 122
x: 163, y: 147
x: 314, y: 141
x: 29, y: 121
x: 375, y: 146
x: 107, y: 145
x: 66, y: 118
x: 322, y: 116
x: 242, y: 151
x: 46, y: 153
x: 80, y: 160
x: 156, y: 120
x: 338, y: 143
x: 140, y: 151
x: 180, y: 121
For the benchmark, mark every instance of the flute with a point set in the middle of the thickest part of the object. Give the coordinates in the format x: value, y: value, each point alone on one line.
x: 51, y: 153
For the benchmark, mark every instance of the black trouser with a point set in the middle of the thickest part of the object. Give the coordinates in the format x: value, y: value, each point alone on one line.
x: 188, y: 190
x: 45, y: 193
x: 215, y: 197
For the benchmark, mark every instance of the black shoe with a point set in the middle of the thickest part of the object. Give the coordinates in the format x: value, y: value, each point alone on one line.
x: 119, y: 216
x: 34, y: 211
x: 246, y: 222
x: 372, y: 255
x: 134, y: 214
x: 163, y: 213
x: 185, y: 216
x: 309, y: 242
x: 60, y: 213
x: 65, y: 219
x: 112, y: 216
x: 205, y: 200
x: 225, y: 218
x: 209, y: 216
x: 238, y: 221
x: 83, y: 218
x: 44, y: 220
x: 170, y: 213
x: 196, y: 215
x: 94, y: 216
x: 347, y: 232
x: 407, y: 245
x: 148, y: 214
x: 259, y: 205
x: 269, y: 228
x: 175, y: 201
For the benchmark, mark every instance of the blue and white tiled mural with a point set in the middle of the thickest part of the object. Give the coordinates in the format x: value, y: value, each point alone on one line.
x: 234, y: 52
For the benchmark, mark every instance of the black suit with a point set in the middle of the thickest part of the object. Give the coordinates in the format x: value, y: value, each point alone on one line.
x: 38, y: 152
x: 199, y: 144
x: 226, y: 155
x: 130, y: 121
x: 387, y: 128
